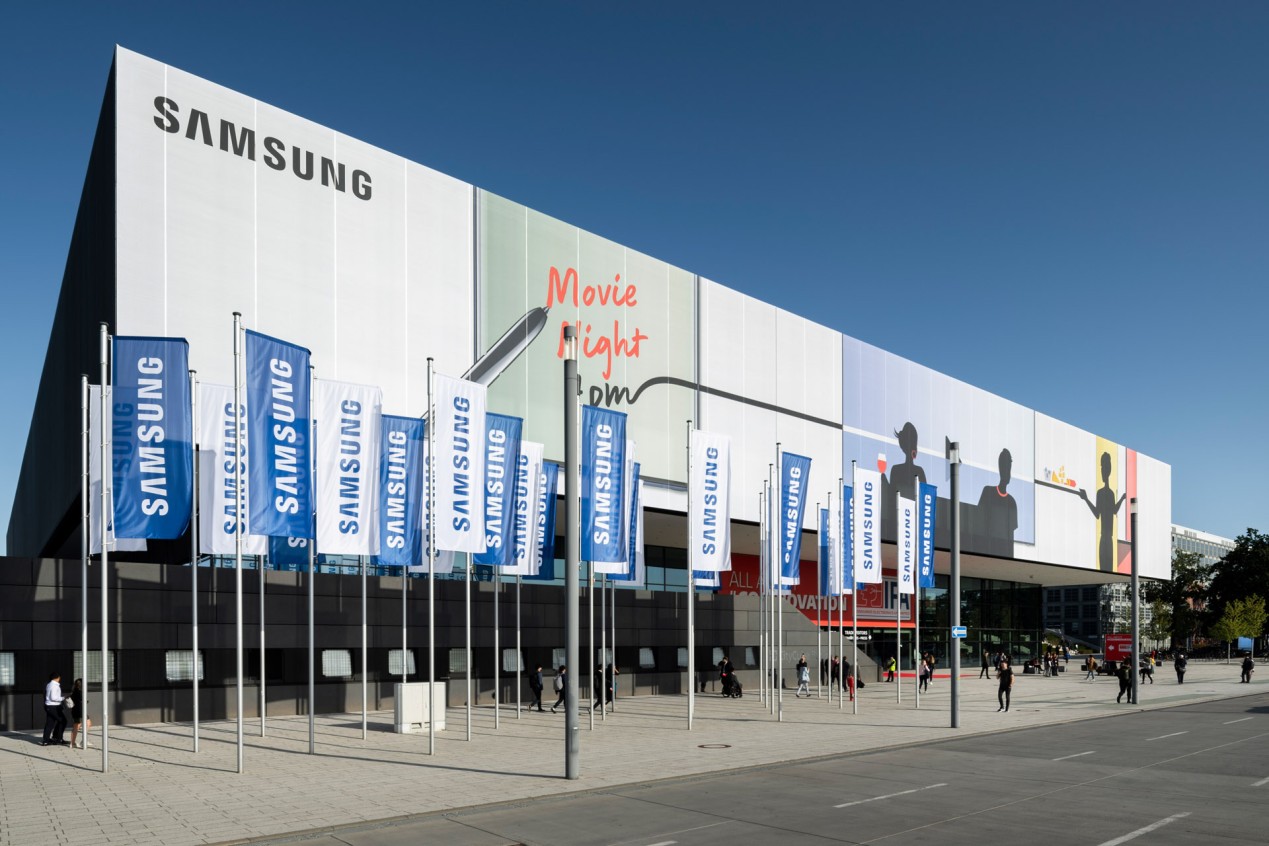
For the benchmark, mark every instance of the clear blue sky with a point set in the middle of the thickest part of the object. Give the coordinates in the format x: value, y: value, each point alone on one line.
x: 1066, y: 204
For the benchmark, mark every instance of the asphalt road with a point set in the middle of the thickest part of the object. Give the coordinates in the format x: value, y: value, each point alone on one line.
x: 1196, y: 774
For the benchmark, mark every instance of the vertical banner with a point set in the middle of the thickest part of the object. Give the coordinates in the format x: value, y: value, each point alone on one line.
x: 826, y: 555
x: 906, y: 543
x: 709, y: 508
x: 94, y: 482
x: 152, y: 437
x: 289, y: 555
x: 544, y: 566
x: 867, y: 542
x: 795, y: 473
x: 502, y: 457
x: 603, y: 465
x: 281, y: 493
x: 446, y: 560
x: 525, y: 517
x: 846, y: 561
x: 631, y: 572
x: 617, y: 568
x: 348, y: 430
x: 927, y: 513
x: 223, y: 456
x: 401, y: 504
x: 459, y: 501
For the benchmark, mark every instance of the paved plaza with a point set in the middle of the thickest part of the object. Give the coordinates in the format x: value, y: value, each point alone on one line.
x: 159, y: 792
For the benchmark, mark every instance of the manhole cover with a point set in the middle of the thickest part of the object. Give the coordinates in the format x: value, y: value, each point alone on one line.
x: 714, y: 746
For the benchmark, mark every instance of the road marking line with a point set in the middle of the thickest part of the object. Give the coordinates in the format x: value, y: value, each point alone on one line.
x: 1243, y: 720
x: 1146, y: 830
x: 891, y: 795
x: 1261, y: 783
x: 664, y: 843
x: 1162, y: 736
x: 1076, y: 755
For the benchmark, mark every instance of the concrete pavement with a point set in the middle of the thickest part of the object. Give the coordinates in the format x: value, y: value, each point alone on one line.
x: 159, y: 792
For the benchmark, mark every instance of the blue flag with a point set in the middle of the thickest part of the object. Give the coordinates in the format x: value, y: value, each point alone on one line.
x: 927, y: 512
x: 502, y: 457
x: 826, y: 562
x: 289, y: 554
x: 153, y: 438
x: 401, y: 491
x: 632, y: 535
x: 603, y: 465
x: 848, y: 538
x: 795, y: 473
x: 546, y: 524
x: 278, y: 416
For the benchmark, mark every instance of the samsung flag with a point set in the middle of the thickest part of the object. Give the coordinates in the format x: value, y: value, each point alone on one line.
x: 616, y: 568
x: 94, y: 482
x: 524, y: 521
x: 867, y: 540
x: 222, y: 457
x: 709, y: 502
x: 795, y: 473
x: 603, y: 465
x: 289, y: 554
x: 502, y: 456
x: 460, y: 464
x: 906, y: 543
x: 281, y: 500
x: 826, y: 555
x: 446, y: 561
x: 401, y: 490
x: 544, y: 567
x: 152, y: 437
x: 927, y: 509
x: 348, y: 429
x: 631, y: 575
x: 845, y: 563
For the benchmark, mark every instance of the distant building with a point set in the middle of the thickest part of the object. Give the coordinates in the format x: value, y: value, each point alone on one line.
x: 1211, y: 548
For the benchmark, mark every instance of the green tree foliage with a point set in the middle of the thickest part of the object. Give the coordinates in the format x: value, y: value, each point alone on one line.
x: 1243, y: 572
x: 1159, y: 627
x: 1183, y: 596
x: 1242, y: 618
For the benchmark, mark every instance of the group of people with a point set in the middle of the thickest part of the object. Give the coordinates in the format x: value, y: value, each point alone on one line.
x: 55, y: 707
x: 603, y: 686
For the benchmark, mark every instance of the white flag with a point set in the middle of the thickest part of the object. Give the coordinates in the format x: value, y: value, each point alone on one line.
x: 524, y: 515
x: 218, y: 450
x: 867, y: 527
x: 113, y: 544
x: 460, y: 464
x: 906, y: 543
x: 627, y: 483
x: 709, y: 504
x: 347, y: 458
x: 445, y: 561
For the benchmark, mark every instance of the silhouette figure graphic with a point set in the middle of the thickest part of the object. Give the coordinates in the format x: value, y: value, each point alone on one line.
x: 997, y: 516
x: 902, y: 476
x: 1105, y: 510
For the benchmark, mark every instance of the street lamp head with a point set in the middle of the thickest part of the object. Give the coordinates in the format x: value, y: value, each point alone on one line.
x: 953, y: 450
x: 1132, y: 505
x: 570, y: 342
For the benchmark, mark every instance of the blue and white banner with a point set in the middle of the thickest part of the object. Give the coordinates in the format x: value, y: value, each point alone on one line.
x: 633, y: 574
x: 927, y: 512
x: 446, y: 560
x: 152, y: 437
x: 401, y: 490
x: 709, y: 502
x: 95, y: 509
x: 525, y: 518
x: 906, y: 543
x: 460, y: 464
x: 603, y: 465
x: 502, y: 458
x: 280, y: 484
x: 845, y: 560
x: 289, y: 555
x: 795, y: 473
x: 223, y: 455
x: 348, y: 429
x: 616, y: 568
x: 548, y: 482
x: 707, y: 579
x: 867, y: 541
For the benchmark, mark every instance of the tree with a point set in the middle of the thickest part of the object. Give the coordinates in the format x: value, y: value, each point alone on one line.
x: 1243, y: 572
x: 1242, y: 618
x: 1159, y: 626
x: 1184, y: 595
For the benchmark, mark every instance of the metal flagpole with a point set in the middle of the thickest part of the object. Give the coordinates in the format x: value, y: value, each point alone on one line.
x: 107, y: 514
x: 361, y: 559
x: 83, y: 562
x: 854, y: 600
x: 519, y: 660
x: 497, y: 627
x: 612, y: 621
x: 263, y: 700
x: 762, y: 594
x: 1136, y: 606
x: 193, y: 554
x: 405, y: 613
x: 241, y: 519
x: 780, y: 581
x: 898, y: 640
x: 467, y: 628
x: 819, y: 603
x: 603, y: 647
x: 691, y: 593
x: 312, y: 571
x: 839, y: 565
x: 590, y: 642
x: 773, y: 596
x: 572, y: 521
x: 916, y: 596
x: 954, y: 598
x: 431, y: 568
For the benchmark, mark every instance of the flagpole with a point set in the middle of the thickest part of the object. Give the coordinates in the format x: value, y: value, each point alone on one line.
x: 762, y: 591
x: 84, y: 529
x: 768, y: 616
x: 822, y: 588
x: 898, y: 634
x: 431, y: 568
x: 467, y: 629
x: 519, y: 660
x: 773, y: 595
x: 405, y: 613
x: 854, y: 598
x: 263, y: 700
x: 361, y: 559
x: 241, y: 520
x: 572, y: 524
x: 840, y: 561
x: 590, y: 643
x: 612, y: 621
x: 193, y: 552
x: 497, y: 589
x: 780, y: 582
x: 916, y: 595
x: 107, y: 515
x: 691, y: 593
x: 603, y: 647
x: 311, y: 544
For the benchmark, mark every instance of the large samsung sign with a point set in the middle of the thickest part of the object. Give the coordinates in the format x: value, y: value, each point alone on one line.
x: 376, y: 264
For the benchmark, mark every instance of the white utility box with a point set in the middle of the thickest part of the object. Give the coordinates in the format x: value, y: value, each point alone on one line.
x: 412, y: 711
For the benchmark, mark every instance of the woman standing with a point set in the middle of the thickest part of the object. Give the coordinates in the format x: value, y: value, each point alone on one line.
x: 77, y: 714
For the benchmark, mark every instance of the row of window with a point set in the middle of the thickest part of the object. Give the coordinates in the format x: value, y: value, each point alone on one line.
x: 1075, y: 594
x: 338, y: 663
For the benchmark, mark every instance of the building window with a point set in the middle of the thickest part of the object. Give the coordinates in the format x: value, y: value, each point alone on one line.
x: 6, y: 669
x: 647, y: 658
x: 512, y: 661
x: 603, y: 657
x: 458, y: 661
x: 337, y: 664
x: 682, y: 657
x: 751, y: 656
x: 1055, y: 595
x: 180, y: 665
x: 93, y: 676
x: 718, y: 655
x: 557, y: 657
x: 1090, y: 594
x: 394, y: 662
x: 1090, y: 612
x: 1072, y: 594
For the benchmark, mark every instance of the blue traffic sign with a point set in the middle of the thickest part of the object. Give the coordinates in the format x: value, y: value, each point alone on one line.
x: 959, y: 631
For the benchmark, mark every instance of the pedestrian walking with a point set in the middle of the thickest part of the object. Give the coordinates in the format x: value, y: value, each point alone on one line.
x: 985, y: 673
x: 560, y: 685
x: 804, y: 677
x: 1249, y: 667
x: 927, y: 671
x: 1147, y: 670
x: 1005, y: 691
x: 824, y: 672
x: 835, y: 669
x: 54, y: 713
x: 81, y: 723
x: 1178, y: 664
x: 891, y: 666
x: 535, y: 685
x: 849, y: 675
x: 1124, y: 674
x: 1090, y: 669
